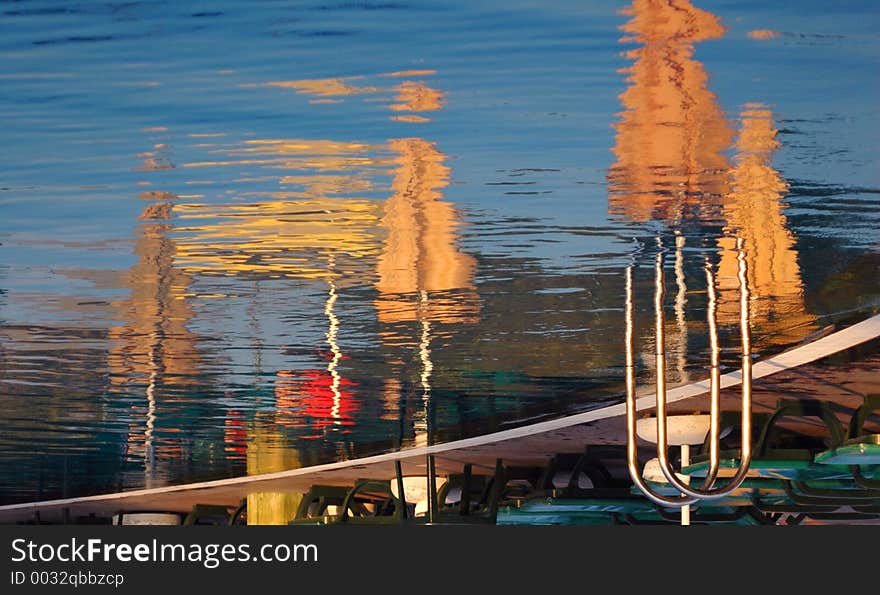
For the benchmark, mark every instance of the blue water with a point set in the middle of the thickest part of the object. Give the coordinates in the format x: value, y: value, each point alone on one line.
x: 239, y: 237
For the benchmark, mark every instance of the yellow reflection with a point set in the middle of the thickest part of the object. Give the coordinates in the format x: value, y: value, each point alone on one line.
x: 753, y: 211
x: 329, y: 87
x: 279, y: 237
x: 420, y: 252
x: 410, y: 95
x: 266, y: 453
x: 321, y: 185
x: 298, y: 154
x: 290, y: 232
x: 408, y: 73
x: 672, y: 133
x: 411, y: 118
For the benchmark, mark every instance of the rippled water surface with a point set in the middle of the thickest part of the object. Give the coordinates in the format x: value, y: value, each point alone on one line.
x: 240, y: 237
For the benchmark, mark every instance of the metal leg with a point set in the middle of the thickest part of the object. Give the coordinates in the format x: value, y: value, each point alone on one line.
x: 432, y: 489
x: 400, y: 492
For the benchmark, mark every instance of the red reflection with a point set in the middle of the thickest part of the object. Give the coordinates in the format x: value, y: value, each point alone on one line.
x: 235, y: 434
x: 315, y: 398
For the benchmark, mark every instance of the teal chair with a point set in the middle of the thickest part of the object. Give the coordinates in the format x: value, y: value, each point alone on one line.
x: 780, y: 453
x: 861, y: 451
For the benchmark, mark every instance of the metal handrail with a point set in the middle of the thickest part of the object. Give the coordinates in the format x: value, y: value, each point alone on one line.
x: 706, y: 491
x: 631, y: 454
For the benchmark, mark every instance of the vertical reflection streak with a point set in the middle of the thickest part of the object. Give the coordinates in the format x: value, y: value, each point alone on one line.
x: 680, y: 302
x: 425, y: 357
x: 331, y: 335
x: 149, y: 451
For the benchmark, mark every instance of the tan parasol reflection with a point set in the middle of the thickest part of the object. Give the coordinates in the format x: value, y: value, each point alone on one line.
x: 671, y: 136
x: 154, y: 343
x: 423, y: 276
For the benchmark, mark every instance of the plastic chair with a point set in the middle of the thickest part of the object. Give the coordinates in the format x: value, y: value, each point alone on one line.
x: 780, y: 453
x: 862, y: 448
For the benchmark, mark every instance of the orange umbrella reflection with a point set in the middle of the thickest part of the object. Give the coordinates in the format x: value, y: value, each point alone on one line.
x: 672, y: 132
x: 670, y: 166
x: 753, y: 211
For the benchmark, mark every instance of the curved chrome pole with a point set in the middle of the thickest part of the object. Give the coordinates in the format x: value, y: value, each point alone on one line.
x: 715, y: 377
x: 631, y: 453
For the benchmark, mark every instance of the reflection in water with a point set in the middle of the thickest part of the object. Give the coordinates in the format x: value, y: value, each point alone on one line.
x: 275, y: 239
x: 672, y: 133
x: 753, y: 211
x: 302, y: 232
x: 200, y: 351
x: 157, y: 159
x: 416, y: 96
x: 420, y: 252
x: 266, y: 454
x: 316, y: 227
x: 670, y: 165
x: 326, y: 88
x: 409, y: 95
x: 423, y: 277
x: 289, y: 233
x: 422, y: 274
x: 319, y: 400
x: 154, y: 347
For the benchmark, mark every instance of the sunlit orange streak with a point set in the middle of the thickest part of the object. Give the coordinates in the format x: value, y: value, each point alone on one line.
x: 672, y: 132
x: 291, y: 231
x: 329, y: 87
x: 415, y: 96
x: 764, y: 34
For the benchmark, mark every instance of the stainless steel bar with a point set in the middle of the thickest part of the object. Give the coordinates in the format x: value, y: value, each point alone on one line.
x: 631, y: 450
x: 708, y: 492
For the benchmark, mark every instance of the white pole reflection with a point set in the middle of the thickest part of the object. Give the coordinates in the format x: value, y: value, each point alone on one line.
x: 421, y: 426
x: 149, y: 451
x: 680, y: 302
x: 332, y: 332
